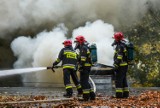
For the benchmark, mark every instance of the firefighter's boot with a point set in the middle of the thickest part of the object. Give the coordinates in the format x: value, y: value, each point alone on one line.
x: 80, y: 92
x: 92, y: 95
x: 69, y: 93
x: 86, y: 96
x: 125, y: 94
x: 119, y: 95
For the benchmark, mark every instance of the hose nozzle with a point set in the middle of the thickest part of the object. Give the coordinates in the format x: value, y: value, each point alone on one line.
x: 51, y: 68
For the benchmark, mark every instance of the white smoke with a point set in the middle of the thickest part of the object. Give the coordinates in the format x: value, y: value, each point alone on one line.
x: 20, y: 16
x: 39, y: 51
x: 44, y: 48
x: 100, y: 33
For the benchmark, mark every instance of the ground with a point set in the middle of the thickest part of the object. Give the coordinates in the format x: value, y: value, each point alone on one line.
x: 44, y: 97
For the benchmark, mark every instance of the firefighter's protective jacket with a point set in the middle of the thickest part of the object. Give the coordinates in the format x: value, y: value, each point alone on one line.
x: 84, y: 56
x: 120, y: 55
x: 68, y: 57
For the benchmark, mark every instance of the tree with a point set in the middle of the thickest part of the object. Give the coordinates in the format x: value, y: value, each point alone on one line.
x: 145, y: 35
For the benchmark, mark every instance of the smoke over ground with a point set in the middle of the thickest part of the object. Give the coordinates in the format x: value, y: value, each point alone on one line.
x: 44, y: 48
x: 32, y: 16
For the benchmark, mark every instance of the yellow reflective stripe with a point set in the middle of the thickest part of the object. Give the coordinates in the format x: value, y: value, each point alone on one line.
x: 79, y: 86
x: 67, y: 87
x: 91, y: 90
x: 68, y: 52
x: 115, y: 65
x: 123, y: 64
x: 125, y: 50
x: 88, y: 52
x: 58, y: 60
x: 119, y: 90
x: 87, y: 64
x: 83, y: 58
x: 119, y: 57
x: 86, y: 92
x: 72, y: 67
x: 126, y: 89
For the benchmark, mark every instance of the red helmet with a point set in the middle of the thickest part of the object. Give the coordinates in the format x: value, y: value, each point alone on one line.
x: 80, y: 39
x: 67, y: 43
x: 118, y: 36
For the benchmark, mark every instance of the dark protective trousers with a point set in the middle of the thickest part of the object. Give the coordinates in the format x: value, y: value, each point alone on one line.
x: 121, y: 82
x: 84, y: 78
x: 84, y: 81
x: 66, y: 76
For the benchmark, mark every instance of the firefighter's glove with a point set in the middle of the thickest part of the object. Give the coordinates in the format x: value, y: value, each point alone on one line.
x: 115, y: 66
x: 53, y: 68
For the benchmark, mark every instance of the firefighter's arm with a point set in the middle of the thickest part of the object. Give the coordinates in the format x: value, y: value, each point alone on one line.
x: 58, y: 60
x: 83, y: 57
x: 119, y: 57
x: 89, y: 57
x: 78, y: 65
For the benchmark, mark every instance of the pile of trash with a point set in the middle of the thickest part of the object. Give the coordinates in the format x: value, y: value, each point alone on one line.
x: 147, y: 99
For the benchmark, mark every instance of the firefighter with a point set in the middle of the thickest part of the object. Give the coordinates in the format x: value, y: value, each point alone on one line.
x: 84, y: 61
x: 69, y: 62
x: 120, y: 66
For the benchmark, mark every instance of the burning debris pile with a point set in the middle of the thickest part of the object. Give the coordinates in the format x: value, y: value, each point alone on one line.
x: 145, y: 99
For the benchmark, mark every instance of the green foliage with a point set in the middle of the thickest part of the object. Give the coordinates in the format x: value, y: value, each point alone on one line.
x: 145, y: 34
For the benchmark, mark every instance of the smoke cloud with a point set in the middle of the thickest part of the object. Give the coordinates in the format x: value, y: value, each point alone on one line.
x: 44, y: 49
x: 23, y: 16
x: 100, y: 33
x: 39, y: 51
